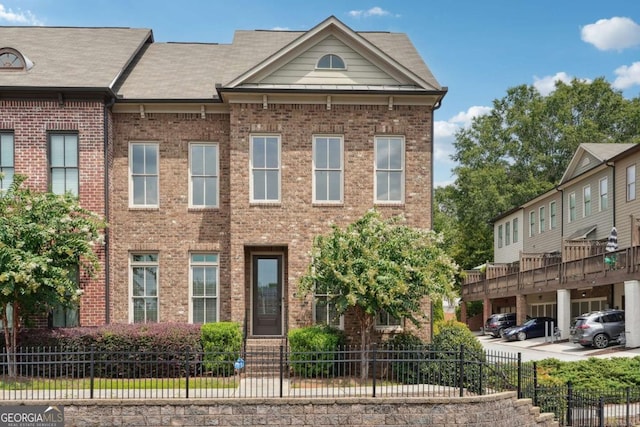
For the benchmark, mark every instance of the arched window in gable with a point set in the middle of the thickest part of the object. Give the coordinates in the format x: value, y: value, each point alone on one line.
x: 331, y: 62
x: 11, y: 59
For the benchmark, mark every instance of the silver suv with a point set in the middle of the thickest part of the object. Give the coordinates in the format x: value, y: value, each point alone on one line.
x: 598, y: 328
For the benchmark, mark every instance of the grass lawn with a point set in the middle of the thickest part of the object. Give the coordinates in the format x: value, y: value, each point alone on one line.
x: 23, y: 383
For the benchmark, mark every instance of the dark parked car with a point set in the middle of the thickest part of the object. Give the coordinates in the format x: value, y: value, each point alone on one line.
x: 498, y: 322
x: 534, y: 327
x: 598, y: 328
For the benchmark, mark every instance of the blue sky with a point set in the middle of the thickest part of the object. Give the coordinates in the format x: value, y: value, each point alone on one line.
x: 478, y: 49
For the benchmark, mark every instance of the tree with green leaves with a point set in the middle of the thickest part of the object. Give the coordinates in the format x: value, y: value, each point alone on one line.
x: 520, y: 150
x: 44, y: 239
x: 379, y: 265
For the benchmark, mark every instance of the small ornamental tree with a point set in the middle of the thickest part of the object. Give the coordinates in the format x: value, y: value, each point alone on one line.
x: 44, y: 238
x: 378, y: 264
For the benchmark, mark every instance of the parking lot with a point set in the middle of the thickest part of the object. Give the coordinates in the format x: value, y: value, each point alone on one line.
x: 539, y: 348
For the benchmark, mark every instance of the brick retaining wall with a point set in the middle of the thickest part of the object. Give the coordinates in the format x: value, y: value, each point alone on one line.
x: 498, y: 410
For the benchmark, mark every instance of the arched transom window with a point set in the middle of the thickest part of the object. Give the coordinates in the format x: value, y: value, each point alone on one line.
x: 331, y: 62
x: 11, y: 59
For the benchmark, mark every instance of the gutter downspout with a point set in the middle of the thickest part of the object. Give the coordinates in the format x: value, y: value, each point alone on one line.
x: 107, y: 275
x: 613, y: 198
x: 436, y: 106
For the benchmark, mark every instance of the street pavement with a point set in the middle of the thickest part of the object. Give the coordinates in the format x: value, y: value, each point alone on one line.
x: 539, y: 348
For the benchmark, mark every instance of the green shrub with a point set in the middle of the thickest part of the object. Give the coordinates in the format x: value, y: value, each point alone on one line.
x: 313, y: 351
x: 451, y: 341
x: 221, y: 342
x: 437, y: 314
x: 407, y: 355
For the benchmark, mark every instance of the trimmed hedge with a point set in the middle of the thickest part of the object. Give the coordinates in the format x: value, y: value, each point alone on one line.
x: 221, y: 342
x: 313, y: 350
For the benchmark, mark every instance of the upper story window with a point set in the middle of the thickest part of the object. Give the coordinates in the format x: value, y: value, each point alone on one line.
x: 63, y: 163
x: 553, y: 215
x: 389, y: 177
x: 265, y: 168
x: 631, y: 183
x: 500, y: 236
x: 507, y: 233
x: 586, y: 201
x: 12, y: 60
x: 203, y: 175
x: 604, y: 193
x: 515, y: 230
x: 143, y: 167
x: 6, y: 160
x: 331, y: 62
x: 543, y: 216
x: 327, y: 169
x: 532, y: 223
x: 572, y: 207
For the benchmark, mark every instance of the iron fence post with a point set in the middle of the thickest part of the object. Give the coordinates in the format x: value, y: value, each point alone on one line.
x: 186, y: 365
x: 373, y: 369
x: 535, y: 383
x: 91, y: 369
x: 601, y: 412
x: 519, y: 375
x: 281, y: 368
x: 569, y: 404
x: 628, y: 391
x: 461, y: 379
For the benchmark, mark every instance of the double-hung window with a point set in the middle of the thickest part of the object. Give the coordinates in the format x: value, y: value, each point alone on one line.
x: 604, y: 193
x: 324, y: 312
x: 143, y: 166
x: 6, y: 160
x: 63, y: 163
x: 631, y: 183
x: 586, y: 200
x: 265, y: 168
x: 532, y: 223
x: 204, y: 288
x: 327, y: 169
x: 389, y: 174
x: 572, y: 207
x: 203, y: 175
x: 144, y: 288
x: 553, y: 213
x: 67, y: 316
x: 507, y: 233
x: 500, y: 236
x: 385, y: 320
x: 515, y: 230
x: 542, y: 221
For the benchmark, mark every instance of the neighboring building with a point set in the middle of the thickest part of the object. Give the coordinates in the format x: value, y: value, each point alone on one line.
x: 563, y: 269
x: 224, y: 161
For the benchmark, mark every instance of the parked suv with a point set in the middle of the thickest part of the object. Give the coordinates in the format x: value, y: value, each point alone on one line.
x: 598, y: 328
x: 498, y: 322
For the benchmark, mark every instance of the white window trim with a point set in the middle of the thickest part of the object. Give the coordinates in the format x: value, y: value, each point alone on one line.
x: 584, y: 201
x: 630, y: 197
x: 507, y: 233
x: 315, y: 320
x: 500, y: 235
x: 388, y: 328
x: 331, y: 68
x: 217, y: 205
x: 131, y: 204
x: 205, y: 264
x: 375, y: 170
x: 600, y: 194
x: 143, y: 264
x: 6, y: 182
x: 514, y: 230
x: 532, y: 223
x: 552, y: 225
x: 266, y: 201
x: 314, y: 170
x: 542, y: 220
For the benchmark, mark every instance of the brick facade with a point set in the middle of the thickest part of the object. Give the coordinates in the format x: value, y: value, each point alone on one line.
x: 31, y: 121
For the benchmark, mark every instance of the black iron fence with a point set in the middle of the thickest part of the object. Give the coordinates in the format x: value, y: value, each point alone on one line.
x: 275, y: 372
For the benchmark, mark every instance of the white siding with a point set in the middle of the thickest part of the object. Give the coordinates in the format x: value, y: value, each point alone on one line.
x: 302, y: 69
x: 626, y: 211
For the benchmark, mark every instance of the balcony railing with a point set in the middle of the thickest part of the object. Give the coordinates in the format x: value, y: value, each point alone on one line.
x: 552, y: 274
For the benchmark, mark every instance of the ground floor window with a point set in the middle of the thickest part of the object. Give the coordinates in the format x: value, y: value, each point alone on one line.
x: 547, y: 309
x: 385, y: 320
x: 64, y: 317
x: 324, y: 312
x: 579, y: 307
x: 144, y: 288
x: 204, y: 275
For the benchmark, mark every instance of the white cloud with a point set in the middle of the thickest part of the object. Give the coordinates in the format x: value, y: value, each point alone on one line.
x: 627, y: 76
x: 547, y: 84
x: 444, y: 137
x: 8, y: 15
x: 616, y: 33
x: 280, y: 29
x: 374, y: 11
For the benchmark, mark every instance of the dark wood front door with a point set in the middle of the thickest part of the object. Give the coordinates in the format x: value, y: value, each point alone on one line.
x: 267, y: 294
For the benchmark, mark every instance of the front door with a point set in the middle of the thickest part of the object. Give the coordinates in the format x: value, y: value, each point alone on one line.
x: 267, y: 294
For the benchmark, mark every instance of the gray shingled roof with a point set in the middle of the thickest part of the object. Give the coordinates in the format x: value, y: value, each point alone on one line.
x: 65, y: 57
x: 605, y: 151
x: 190, y: 71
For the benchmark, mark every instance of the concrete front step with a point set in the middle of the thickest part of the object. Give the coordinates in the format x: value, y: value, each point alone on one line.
x: 262, y: 356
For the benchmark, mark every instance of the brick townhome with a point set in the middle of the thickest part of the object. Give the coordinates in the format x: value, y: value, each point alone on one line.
x: 224, y: 161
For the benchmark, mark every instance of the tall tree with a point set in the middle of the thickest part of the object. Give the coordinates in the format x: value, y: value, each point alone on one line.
x: 378, y: 264
x: 44, y: 237
x: 521, y: 149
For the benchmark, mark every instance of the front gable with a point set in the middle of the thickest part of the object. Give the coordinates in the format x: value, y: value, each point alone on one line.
x: 368, y: 67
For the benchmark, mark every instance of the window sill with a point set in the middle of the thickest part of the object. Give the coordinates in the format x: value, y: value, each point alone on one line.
x: 265, y: 204
x: 144, y: 208
x: 202, y: 209
x: 327, y: 204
